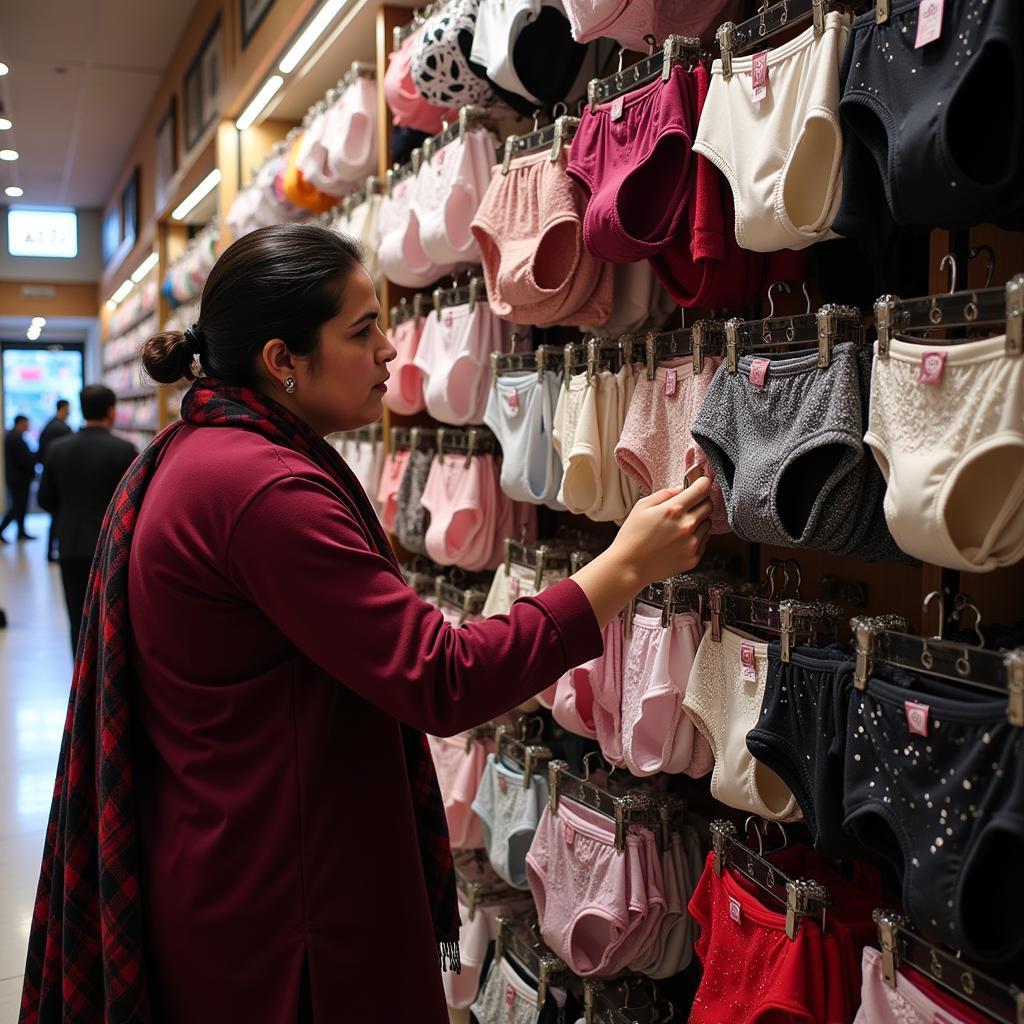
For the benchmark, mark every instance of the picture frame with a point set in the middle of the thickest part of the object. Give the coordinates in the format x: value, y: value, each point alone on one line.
x: 201, y: 88
x: 252, y: 14
x: 130, y: 209
x: 166, y: 152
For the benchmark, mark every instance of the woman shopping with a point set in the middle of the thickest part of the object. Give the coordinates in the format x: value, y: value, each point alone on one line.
x: 246, y: 823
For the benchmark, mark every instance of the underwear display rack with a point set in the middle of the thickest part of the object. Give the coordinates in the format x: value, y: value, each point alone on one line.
x: 623, y: 244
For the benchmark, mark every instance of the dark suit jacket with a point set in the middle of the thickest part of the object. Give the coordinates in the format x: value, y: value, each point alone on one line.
x: 53, y: 430
x: 19, y: 460
x: 80, y: 476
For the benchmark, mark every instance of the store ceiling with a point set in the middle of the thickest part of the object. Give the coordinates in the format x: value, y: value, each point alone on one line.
x: 82, y: 76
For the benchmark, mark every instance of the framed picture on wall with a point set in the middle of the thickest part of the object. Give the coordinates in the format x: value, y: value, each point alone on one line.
x: 253, y: 13
x: 130, y: 209
x: 111, y: 231
x: 166, y: 151
x: 202, y: 86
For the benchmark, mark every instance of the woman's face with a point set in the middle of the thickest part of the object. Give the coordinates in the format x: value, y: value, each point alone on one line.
x: 345, y: 386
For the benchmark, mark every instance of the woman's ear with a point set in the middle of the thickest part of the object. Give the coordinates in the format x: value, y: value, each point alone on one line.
x: 277, y: 360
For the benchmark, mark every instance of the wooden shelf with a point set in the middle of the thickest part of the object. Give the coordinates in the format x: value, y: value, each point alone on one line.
x: 135, y: 394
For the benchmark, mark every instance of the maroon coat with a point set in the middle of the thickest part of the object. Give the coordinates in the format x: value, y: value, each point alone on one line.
x: 276, y: 653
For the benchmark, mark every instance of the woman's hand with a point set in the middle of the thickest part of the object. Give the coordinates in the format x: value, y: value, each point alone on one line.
x: 665, y: 534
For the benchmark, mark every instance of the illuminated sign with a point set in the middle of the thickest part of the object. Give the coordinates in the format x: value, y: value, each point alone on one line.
x: 42, y: 233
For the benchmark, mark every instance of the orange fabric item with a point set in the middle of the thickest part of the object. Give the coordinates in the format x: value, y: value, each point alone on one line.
x: 299, y: 191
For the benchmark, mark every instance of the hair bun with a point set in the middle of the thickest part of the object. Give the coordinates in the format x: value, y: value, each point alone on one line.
x: 168, y: 357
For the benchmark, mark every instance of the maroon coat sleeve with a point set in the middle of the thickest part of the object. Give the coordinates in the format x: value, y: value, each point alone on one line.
x: 299, y: 555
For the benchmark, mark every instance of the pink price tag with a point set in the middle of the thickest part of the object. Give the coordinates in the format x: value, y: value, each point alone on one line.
x: 735, y: 910
x: 748, y: 663
x: 917, y: 717
x: 617, y: 108
x: 932, y: 365
x: 512, y: 401
x: 759, y: 76
x: 929, y: 22
x: 758, y: 371
x: 513, y: 587
x: 671, y: 383
x: 510, y: 997
x: 502, y: 784
x: 570, y: 834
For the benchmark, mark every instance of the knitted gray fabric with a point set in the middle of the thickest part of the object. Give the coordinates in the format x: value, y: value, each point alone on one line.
x: 411, y: 518
x: 789, y: 456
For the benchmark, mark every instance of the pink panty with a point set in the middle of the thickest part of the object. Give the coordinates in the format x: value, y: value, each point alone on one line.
x: 591, y: 898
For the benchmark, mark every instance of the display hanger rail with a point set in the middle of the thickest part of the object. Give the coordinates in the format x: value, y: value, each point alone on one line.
x: 469, y: 118
x: 528, y: 757
x: 465, y: 600
x: 531, y: 954
x: 460, y: 295
x: 675, y: 50
x: 828, y: 327
x: 705, y: 337
x: 541, y: 558
x: 984, y: 306
x: 735, y: 39
x: 801, y: 897
x: 554, y: 136
x: 544, y: 357
x: 901, y: 945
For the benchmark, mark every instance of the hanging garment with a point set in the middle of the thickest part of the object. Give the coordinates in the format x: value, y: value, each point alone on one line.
x: 632, y: 158
x: 932, y: 785
x: 530, y: 231
x: 453, y: 357
x: 401, y: 255
x: 299, y: 191
x: 782, y: 156
x: 361, y: 223
x: 510, y: 810
x: 520, y: 413
x: 723, y: 698
x: 409, y: 109
x: 914, y: 153
x: 460, y: 764
x: 786, y: 450
x: 405, y: 391
x: 339, y: 149
x: 946, y: 426
x: 705, y: 266
x: 631, y: 22
x: 657, y: 734
x: 656, y: 447
x: 526, y: 48
x: 448, y: 191
x: 391, y: 475
x: 411, y: 517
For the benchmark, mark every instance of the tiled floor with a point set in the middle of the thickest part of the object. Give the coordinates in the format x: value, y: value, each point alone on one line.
x: 35, y: 675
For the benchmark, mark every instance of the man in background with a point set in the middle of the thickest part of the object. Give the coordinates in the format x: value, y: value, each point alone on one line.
x: 20, y: 470
x: 80, y: 475
x: 54, y: 429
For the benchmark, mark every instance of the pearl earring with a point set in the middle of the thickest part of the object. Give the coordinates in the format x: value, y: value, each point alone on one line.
x: 289, y: 385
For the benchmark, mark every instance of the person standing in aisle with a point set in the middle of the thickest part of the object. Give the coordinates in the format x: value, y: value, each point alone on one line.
x: 80, y: 475
x: 246, y: 823
x: 55, y: 428
x: 20, y: 470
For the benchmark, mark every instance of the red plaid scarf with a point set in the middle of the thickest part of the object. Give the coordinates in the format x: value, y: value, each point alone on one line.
x: 86, y: 956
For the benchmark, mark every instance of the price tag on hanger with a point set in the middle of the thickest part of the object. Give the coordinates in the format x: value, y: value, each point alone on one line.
x: 671, y: 383
x: 759, y: 76
x: 917, y: 717
x: 932, y: 365
x: 758, y: 371
x: 735, y: 910
x: 512, y: 401
x: 617, y: 107
x: 748, y: 664
x: 929, y: 22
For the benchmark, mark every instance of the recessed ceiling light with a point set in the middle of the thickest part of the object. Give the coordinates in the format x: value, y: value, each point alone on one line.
x: 14, y: 191
x: 5, y: 123
x: 39, y: 321
x: 33, y: 333
x: 3, y: 69
x: 8, y: 154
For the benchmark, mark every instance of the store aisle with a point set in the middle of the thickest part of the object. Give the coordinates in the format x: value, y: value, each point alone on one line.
x: 35, y: 674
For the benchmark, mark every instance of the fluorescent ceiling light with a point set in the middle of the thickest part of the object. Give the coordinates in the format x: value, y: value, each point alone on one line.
x: 14, y: 192
x: 123, y: 289
x: 111, y: 305
x: 8, y: 154
x: 259, y: 101
x: 197, y: 195
x: 33, y: 333
x: 144, y: 267
x: 39, y: 321
x: 5, y: 124
x: 3, y: 69
x: 310, y: 34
